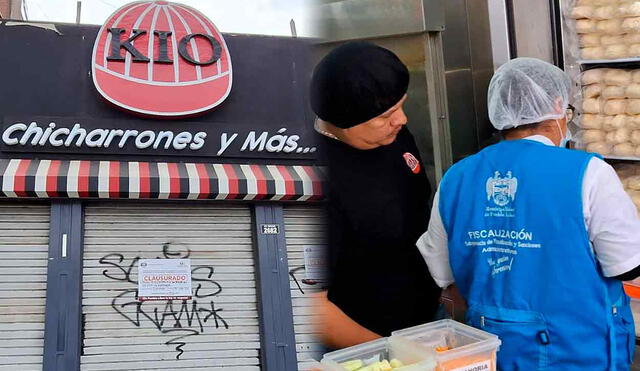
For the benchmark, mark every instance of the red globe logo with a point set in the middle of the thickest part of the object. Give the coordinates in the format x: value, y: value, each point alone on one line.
x: 161, y: 59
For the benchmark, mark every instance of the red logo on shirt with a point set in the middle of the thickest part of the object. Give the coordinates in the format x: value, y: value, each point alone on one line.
x: 412, y: 162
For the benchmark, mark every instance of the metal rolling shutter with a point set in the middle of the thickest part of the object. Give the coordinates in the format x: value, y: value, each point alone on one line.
x: 24, y: 245
x: 122, y: 336
x: 304, y: 225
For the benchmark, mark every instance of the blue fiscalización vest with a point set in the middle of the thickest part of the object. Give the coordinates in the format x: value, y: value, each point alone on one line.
x: 521, y: 257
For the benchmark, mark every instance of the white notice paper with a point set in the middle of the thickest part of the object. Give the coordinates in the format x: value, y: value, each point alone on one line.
x: 164, y: 279
x: 315, y: 263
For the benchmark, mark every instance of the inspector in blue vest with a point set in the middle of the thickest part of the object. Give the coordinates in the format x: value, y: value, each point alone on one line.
x: 521, y: 257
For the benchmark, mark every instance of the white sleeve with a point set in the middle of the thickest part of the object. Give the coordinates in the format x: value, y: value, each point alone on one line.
x: 611, y: 219
x: 433, y: 246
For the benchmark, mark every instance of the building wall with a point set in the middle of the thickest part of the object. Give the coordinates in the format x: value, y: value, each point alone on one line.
x: 5, y: 8
x: 11, y: 9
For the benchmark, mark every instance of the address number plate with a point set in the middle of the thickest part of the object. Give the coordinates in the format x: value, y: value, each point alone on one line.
x: 270, y: 229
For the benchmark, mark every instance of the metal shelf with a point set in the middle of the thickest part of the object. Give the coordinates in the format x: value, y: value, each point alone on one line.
x: 612, y: 157
x: 609, y: 61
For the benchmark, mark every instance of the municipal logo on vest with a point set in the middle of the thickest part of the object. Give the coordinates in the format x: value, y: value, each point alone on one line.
x: 412, y: 162
x: 161, y: 59
x: 502, y: 190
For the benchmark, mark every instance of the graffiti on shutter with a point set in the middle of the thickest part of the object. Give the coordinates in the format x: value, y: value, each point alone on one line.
x: 182, y: 319
x: 215, y: 330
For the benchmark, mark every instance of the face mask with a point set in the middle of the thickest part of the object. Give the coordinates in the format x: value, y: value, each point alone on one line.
x: 567, y: 136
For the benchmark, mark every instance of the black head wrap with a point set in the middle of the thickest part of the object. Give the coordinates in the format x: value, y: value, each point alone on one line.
x: 357, y: 82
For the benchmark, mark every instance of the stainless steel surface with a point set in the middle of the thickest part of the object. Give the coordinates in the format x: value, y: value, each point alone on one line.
x: 499, y: 32
x: 482, y: 68
x: 434, y: 15
x: 358, y: 19
x: 534, y: 37
x: 403, y: 26
x: 469, y: 67
x: 420, y: 110
x: 437, y: 95
x: 421, y: 107
x: 450, y: 70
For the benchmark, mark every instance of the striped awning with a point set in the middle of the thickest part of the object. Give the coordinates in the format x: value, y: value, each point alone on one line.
x: 158, y: 180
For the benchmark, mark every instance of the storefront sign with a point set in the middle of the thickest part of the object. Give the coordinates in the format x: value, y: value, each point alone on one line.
x: 161, y: 59
x: 169, y: 62
x: 64, y: 135
x: 164, y: 279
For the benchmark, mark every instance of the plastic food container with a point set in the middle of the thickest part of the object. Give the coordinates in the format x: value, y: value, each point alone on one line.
x: 413, y: 356
x: 635, y: 310
x: 632, y: 289
x: 631, y: 285
x: 458, y: 347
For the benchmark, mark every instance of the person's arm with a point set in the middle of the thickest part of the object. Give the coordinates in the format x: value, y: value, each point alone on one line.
x: 336, y: 329
x: 454, y: 303
x: 612, y: 222
x: 434, y: 247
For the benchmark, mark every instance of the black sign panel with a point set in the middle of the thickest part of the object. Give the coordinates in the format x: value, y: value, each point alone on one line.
x: 48, y: 93
x: 129, y: 137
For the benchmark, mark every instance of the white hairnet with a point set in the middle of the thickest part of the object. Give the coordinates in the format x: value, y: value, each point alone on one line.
x: 526, y: 91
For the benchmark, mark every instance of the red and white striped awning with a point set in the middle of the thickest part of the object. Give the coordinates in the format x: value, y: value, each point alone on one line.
x: 158, y: 180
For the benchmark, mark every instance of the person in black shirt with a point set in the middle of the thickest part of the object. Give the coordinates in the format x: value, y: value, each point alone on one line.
x: 378, y: 198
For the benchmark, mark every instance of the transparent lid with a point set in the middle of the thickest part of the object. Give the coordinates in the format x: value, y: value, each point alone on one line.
x: 635, y: 282
x: 450, y: 339
x: 414, y: 357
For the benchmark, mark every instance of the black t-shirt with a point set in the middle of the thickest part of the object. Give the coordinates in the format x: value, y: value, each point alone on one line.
x: 378, y: 208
